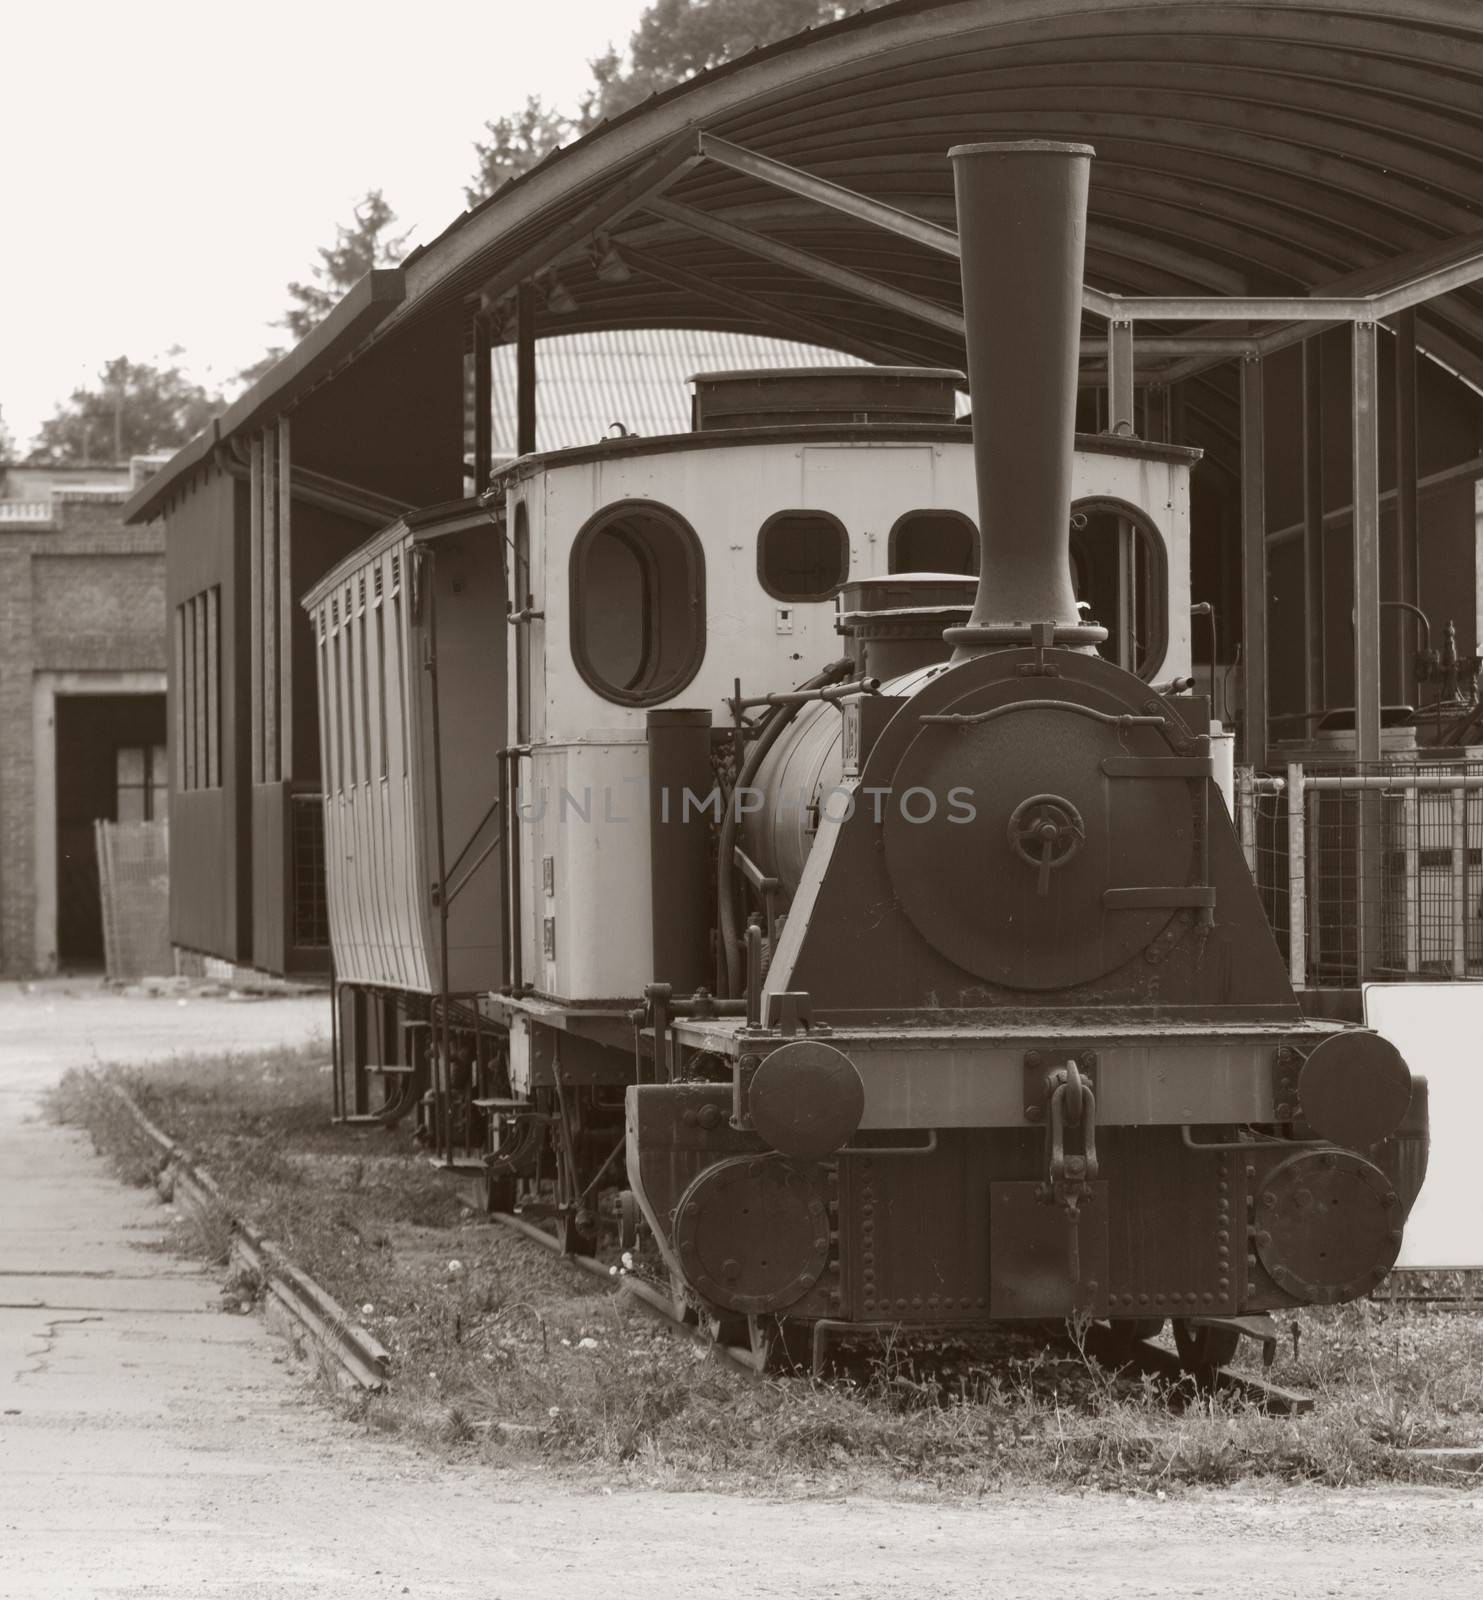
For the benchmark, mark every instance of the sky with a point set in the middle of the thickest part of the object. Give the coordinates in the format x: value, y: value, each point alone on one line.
x: 169, y: 167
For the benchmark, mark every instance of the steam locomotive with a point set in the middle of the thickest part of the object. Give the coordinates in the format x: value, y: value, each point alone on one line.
x: 831, y: 889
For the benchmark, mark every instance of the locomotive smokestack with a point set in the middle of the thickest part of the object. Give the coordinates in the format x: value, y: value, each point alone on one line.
x: 1022, y: 230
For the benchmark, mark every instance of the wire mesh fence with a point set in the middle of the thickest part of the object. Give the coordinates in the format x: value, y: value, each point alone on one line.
x: 311, y: 917
x: 134, y: 889
x: 1370, y: 872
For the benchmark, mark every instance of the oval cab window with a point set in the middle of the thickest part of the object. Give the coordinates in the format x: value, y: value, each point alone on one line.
x: 638, y: 603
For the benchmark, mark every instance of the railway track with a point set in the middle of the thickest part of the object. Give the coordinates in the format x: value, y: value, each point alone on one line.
x: 1142, y: 1356
x: 291, y: 1296
x: 306, y: 1307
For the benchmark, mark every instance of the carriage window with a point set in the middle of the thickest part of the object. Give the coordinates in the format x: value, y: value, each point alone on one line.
x: 934, y: 541
x: 803, y: 555
x: 1118, y: 568
x: 638, y: 603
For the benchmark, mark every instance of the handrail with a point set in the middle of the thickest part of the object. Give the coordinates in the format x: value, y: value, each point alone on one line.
x: 967, y: 719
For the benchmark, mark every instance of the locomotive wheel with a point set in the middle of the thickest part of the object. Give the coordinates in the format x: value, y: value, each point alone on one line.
x: 629, y: 1217
x: 684, y: 1311
x: 729, y: 1330
x: 578, y: 1233
x: 1202, y: 1349
x: 780, y: 1345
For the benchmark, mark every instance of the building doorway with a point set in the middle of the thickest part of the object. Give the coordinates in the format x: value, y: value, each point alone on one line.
x: 110, y: 766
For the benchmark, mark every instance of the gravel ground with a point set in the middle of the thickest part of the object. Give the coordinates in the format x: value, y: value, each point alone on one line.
x: 151, y: 1445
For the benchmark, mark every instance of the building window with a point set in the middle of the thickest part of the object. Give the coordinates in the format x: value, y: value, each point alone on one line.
x: 1120, y: 573
x: 141, y: 783
x: 934, y: 541
x: 197, y: 690
x: 637, y: 603
x: 803, y: 555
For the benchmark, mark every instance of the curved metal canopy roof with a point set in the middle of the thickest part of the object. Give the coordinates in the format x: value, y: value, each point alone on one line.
x: 1279, y: 148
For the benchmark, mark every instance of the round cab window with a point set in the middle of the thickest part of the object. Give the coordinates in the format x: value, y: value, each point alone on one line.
x: 803, y: 555
x: 638, y: 603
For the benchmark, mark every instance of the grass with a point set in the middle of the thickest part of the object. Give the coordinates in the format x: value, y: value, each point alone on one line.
x: 504, y: 1353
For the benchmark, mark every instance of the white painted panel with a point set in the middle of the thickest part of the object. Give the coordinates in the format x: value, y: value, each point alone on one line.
x: 588, y: 811
x: 868, y: 487
x: 520, y: 1058
x: 727, y: 492
x: 1437, y: 1028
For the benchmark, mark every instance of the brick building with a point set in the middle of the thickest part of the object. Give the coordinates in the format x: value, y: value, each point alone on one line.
x: 82, y: 699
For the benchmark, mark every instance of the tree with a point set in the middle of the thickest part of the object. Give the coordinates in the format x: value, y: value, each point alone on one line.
x: 356, y: 250
x: 516, y: 143
x: 365, y: 244
x: 7, y: 445
x: 675, y: 39
x: 134, y: 409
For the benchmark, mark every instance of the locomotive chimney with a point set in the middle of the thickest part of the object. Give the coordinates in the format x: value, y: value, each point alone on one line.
x: 1022, y: 231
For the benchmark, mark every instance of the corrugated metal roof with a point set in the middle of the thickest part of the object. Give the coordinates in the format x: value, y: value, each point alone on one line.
x: 585, y: 382
x: 1243, y: 146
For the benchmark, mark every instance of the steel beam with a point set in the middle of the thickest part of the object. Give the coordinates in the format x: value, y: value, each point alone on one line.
x: 267, y: 618
x: 1407, y: 501
x: 907, y: 225
x: 255, y: 599
x: 1373, y: 307
x: 483, y: 405
x: 1415, y: 266
x: 1369, y: 843
x: 1238, y: 308
x: 525, y: 368
x: 809, y: 265
x: 676, y: 159
x: 1315, y: 673
x: 286, y: 606
x: 1228, y: 349
x: 767, y: 312
x: 1365, y: 420
x: 877, y: 213
x: 776, y: 215
x: 1254, y: 562
x: 1120, y: 389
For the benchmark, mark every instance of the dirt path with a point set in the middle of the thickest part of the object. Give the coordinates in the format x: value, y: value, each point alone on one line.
x: 151, y: 1445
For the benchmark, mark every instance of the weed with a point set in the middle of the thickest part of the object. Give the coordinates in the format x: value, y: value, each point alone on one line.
x: 518, y: 1355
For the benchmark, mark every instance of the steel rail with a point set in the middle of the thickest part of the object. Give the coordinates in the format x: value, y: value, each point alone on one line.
x: 646, y: 1294
x: 357, y: 1353
x: 1144, y: 1356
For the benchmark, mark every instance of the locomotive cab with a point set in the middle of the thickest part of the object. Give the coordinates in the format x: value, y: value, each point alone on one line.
x: 676, y: 572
